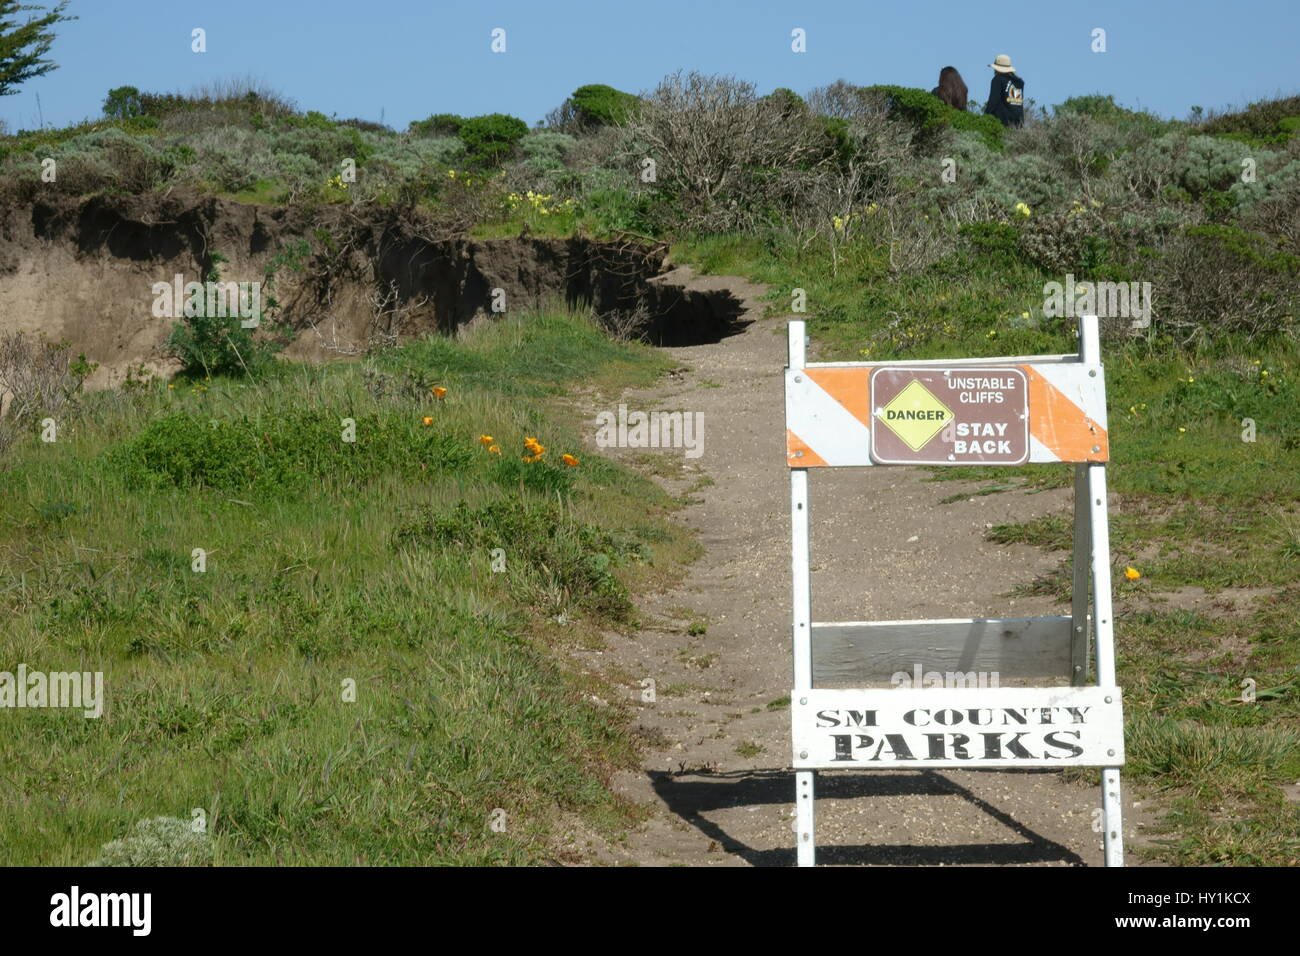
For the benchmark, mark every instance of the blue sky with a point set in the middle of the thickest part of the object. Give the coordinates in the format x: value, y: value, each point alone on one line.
x: 412, y: 58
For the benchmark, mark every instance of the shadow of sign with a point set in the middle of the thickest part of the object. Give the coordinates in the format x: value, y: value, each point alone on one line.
x: 693, y: 796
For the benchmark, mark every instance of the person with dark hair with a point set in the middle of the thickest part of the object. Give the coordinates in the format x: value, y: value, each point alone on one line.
x: 951, y: 88
x: 1007, y: 93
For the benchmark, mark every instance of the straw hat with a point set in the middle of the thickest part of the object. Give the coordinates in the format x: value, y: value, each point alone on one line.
x: 1003, y: 64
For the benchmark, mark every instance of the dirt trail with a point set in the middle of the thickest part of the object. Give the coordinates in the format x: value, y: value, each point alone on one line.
x: 715, y: 778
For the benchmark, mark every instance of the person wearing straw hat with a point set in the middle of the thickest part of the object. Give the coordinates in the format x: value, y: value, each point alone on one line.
x: 1007, y: 93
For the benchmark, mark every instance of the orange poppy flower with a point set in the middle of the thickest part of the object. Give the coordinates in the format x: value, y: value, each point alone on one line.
x: 569, y: 460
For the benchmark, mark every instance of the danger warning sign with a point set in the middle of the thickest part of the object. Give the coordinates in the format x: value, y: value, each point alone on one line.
x: 949, y: 416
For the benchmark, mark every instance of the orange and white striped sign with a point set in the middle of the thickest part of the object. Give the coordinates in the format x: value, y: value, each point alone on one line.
x: 829, y: 416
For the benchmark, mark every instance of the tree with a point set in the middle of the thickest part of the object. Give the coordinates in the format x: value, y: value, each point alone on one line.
x: 23, y: 47
x: 123, y: 103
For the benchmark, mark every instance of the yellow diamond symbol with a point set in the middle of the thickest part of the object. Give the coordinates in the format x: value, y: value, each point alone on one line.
x: 915, y: 415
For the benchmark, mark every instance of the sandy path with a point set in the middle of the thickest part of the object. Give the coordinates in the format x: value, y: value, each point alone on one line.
x: 714, y: 804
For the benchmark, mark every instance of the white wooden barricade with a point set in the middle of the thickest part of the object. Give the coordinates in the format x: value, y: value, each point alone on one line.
x: 955, y: 412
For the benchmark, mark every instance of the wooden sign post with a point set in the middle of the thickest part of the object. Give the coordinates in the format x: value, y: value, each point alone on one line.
x: 1000, y: 411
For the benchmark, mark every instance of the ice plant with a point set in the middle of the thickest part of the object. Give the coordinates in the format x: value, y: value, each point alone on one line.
x: 1022, y: 209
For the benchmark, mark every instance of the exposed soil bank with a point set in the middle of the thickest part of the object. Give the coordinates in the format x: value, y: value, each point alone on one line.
x: 83, y: 271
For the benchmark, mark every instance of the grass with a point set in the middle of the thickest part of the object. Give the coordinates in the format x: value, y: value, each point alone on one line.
x: 349, y: 679
x: 1206, y: 452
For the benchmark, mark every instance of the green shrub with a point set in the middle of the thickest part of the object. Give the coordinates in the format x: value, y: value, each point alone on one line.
x: 1103, y: 107
x: 999, y: 240
x: 1260, y: 120
x: 299, y: 167
x: 227, y: 173
x: 544, y: 546
x: 439, y: 124
x: 619, y: 209
x: 928, y: 115
x: 599, y: 105
x: 544, y: 476
x: 988, y: 127
x: 232, y: 159
x: 328, y: 144
x: 163, y: 104
x: 839, y: 143
x: 491, y: 139
x: 544, y: 150
x: 365, y: 126
x: 414, y: 156
x: 313, y: 119
x: 220, y: 344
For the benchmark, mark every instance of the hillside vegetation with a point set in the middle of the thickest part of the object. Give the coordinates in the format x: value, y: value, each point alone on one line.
x: 909, y: 229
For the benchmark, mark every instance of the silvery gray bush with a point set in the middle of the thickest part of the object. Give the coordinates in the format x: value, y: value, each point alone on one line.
x: 160, y: 841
